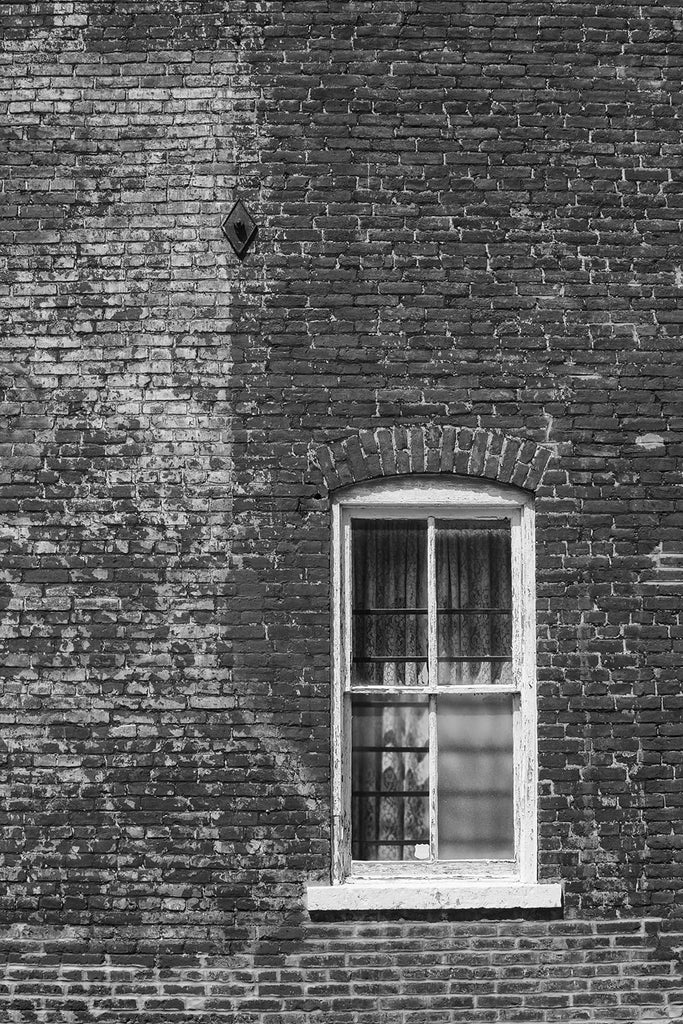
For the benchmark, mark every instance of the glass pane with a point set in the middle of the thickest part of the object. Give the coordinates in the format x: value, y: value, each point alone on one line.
x: 475, y: 773
x: 390, y: 634
x: 390, y: 778
x: 474, y: 601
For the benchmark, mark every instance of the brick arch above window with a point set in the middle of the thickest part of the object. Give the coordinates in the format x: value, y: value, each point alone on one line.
x: 396, y: 451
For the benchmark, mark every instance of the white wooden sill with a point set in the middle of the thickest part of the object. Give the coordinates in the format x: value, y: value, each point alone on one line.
x: 433, y: 894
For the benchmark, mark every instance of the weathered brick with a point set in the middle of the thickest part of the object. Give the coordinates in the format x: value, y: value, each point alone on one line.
x: 466, y: 262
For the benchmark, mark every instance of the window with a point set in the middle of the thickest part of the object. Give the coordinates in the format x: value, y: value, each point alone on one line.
x: 434, y: 719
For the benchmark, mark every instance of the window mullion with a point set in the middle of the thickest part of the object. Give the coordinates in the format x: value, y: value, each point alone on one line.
x: 431, y: 604
x: 433, y: 683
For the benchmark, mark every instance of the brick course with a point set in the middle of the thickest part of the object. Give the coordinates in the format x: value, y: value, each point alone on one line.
x: 468, y: 261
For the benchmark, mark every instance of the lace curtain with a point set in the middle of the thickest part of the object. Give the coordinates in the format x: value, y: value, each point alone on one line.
x: 390, y: 805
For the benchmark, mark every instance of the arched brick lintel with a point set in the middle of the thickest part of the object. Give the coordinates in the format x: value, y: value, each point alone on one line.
x: 395, y: 451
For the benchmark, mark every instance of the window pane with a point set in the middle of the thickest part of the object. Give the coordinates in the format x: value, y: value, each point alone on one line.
x: 390, y: 778
x: 390, y: 634
x: 475, y: 777
x: 474, y: 601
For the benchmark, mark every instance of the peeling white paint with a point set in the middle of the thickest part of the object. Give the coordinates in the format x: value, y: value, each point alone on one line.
x: 650, y: 442
x: 432, y: 895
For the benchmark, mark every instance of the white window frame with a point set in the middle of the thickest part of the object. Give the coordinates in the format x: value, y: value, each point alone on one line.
x: 438, y: 884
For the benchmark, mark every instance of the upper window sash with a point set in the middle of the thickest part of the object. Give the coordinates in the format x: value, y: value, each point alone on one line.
x: 431, y: 515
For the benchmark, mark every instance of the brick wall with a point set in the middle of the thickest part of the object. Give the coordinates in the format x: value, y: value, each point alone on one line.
x: 469, y: 221
x: 480, y: 971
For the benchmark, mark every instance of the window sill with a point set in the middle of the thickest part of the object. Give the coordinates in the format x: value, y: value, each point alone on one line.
x: 423, y: 894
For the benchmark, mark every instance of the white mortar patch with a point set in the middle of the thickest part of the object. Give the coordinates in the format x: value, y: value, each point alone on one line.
x: 650, y: 441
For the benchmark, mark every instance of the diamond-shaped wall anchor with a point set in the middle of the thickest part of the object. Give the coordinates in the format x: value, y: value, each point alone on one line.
x: 240, y: 229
